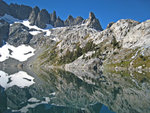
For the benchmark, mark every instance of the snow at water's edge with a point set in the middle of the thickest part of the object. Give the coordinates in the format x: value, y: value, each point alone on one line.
x: 20, y: 79
x: 20, y: 53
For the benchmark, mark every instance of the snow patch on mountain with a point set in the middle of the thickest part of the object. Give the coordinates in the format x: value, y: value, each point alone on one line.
x: 21, y: 53
x: 20, y: 79
x: 37, y: 30
x: 10, y: 19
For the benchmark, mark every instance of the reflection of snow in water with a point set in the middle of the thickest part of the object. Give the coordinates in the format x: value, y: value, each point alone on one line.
x: 20, y: 79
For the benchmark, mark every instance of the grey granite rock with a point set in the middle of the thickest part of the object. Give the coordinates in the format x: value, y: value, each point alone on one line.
x: 93, y: 22
x: 4, y: 8
x: 33, y: 15
x: 20, y: 11
x: 43, y: 18
x: 78, y: 20
x: 19, y: 34
x: 69, y: 21
x: 53, y: 18
x: 59, y: 23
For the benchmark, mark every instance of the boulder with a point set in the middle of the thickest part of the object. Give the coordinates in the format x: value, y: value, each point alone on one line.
x: 19, y: 34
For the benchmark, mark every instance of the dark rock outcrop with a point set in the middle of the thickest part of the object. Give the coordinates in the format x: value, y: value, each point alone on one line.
x: 59, y: 23
x: 33, y: 15
x: 73, y: 21
x: 93, y: 22
x: 20, y: 11
x: 4, y: 8
x: 53, y: 18
x: 4, y: 31
x: 43, y: 18
x: 19, y: 35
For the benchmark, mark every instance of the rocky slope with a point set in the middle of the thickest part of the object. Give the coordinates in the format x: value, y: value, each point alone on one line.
x: 123, y: 44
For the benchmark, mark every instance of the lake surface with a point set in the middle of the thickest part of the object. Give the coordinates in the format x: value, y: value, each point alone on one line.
x: 58, y: 91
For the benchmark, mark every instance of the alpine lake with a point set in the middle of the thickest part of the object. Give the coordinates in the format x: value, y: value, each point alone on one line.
x: 59, y: 91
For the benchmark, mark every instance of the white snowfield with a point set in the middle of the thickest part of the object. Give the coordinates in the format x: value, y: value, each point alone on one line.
x: 20, y: 53
x: 20, y: 79
x: 37, y: 29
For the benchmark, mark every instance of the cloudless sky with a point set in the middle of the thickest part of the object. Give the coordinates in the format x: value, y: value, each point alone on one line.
x: 105, y: 10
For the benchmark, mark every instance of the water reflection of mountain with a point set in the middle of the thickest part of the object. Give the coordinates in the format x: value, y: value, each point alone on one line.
x: 62, y: 91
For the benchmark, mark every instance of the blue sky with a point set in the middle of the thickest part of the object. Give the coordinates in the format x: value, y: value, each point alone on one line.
x: 105, y: 10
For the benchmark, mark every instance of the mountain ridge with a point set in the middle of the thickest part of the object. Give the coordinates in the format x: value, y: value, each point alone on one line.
x: 41, y: 17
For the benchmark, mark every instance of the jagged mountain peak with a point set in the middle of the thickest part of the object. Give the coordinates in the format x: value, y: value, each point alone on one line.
x: 93, y: 22
x: 42, y: 17
x: 91, y: 16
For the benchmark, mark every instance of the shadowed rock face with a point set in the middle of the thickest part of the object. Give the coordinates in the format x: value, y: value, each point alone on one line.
x: 4, y: 8
x: 53, y: 18
x: 33, y: 15
x: 20, y: 11
x: 4, y: 31
x: 43, y: 18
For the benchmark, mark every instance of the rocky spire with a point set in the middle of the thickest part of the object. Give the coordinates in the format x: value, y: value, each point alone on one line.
x: 93, y: 22
x: 78, y: 20
x: 69, y: 21
x: 91, y: 16
x: 33, y: 15
x: 43, y: 18
x: 53, y: 18
x: 59, y: 22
